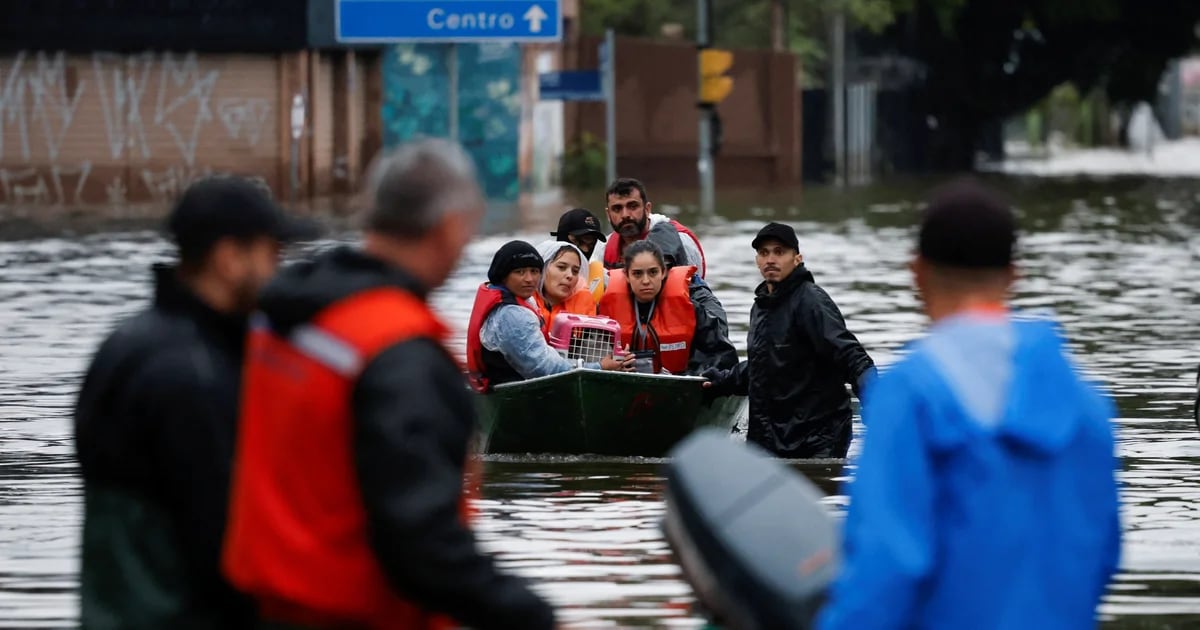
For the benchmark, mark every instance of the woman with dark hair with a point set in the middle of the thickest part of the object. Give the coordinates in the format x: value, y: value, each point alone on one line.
x: 656, y: 312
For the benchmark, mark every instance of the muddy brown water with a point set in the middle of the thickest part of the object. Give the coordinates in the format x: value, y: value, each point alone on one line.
x: 1116, y: 260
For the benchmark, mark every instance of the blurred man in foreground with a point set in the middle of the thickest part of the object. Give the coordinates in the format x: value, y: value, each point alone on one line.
x: 157, y: 416
x: 985, y: 496
x: 348, y: 507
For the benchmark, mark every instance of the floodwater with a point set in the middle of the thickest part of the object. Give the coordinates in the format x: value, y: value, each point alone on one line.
x: 1115, y: 259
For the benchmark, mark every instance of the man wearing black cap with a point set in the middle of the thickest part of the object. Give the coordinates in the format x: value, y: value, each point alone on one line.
x: 985, y: 494
x: 799, y: 357
x: 155, y: 420
x: 580, y: 228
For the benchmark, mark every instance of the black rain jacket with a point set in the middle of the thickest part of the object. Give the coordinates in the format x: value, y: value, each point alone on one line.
x: 800, y: 356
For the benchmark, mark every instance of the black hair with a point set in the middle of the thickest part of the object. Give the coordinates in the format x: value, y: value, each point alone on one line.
x: 643, y: 247
x: 624, y: 187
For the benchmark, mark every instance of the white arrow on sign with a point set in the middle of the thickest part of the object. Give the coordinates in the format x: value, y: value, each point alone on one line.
x: 535, y: 15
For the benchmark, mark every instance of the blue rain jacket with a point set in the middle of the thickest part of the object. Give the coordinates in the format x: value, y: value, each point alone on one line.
x: 985, y: 495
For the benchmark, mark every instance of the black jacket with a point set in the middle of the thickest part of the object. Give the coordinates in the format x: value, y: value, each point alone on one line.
x: 799, y: 358
x: 154, y: 431
x: 413, y: 421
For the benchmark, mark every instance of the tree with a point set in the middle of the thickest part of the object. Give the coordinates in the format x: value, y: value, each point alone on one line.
x: 983, y: 60
x: 987, y: 60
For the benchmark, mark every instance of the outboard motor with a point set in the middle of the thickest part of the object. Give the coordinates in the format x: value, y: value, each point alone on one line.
x: 749, y: 533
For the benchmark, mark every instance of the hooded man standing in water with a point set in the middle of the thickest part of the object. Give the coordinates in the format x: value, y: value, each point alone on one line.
x: 157, y: 416
x: 799, y: 357
x: 985, y: 496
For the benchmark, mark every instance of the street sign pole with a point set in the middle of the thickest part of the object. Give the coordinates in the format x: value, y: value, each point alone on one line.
x: 452, y: 63
x: 704, y: 165
x: 609, y: 61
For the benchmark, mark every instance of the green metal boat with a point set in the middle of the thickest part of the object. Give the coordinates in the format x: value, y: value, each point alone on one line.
x: 601, y: 413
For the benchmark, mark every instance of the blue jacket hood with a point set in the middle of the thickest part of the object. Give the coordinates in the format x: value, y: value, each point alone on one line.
x: 1038, y: 407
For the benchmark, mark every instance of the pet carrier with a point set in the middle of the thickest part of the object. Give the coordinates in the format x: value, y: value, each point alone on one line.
x: 584, y: 338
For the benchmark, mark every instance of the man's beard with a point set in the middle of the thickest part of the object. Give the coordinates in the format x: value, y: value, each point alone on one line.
x: 632, y: 229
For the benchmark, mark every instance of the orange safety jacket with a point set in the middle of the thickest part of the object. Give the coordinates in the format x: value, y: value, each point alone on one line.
x: 297, y: 533
x: 486, y: 368
x: 579, y: 303
x: 672, y: 326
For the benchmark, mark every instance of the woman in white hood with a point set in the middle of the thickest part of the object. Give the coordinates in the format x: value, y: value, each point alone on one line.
x: 560, y: 290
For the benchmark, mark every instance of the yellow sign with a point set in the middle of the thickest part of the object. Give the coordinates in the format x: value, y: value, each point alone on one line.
x: 714, y: 85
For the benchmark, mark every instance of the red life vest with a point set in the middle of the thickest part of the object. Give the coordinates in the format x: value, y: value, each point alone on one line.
x: 486, y: 368
x: 673, y: 322
x: 579, y: 303
x: 297, y: 536
x: 612, y: 248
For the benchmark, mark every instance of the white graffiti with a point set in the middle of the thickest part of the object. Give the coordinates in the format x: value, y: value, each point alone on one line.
x: 174, y: 107
x: 116, y: 192
x: 56, y: 185
x: 36, y: 90
x: 121, y: 82
x: 245, y: 118
x: 167, y: 184
x: 125, y: 109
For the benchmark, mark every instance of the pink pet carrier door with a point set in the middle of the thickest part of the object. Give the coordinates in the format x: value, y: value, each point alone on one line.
x: 585, y: 338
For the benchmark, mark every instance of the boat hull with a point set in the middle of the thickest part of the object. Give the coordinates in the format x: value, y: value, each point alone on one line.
x: 601, y: 413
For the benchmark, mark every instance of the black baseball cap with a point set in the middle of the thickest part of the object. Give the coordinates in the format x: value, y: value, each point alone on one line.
x: 968, y: 225
x: 577, y: 222
x: 221, y: 207
x: 777, y: 232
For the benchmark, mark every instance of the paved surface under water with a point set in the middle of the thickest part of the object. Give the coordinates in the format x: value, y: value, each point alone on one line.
x: 1116, y: 260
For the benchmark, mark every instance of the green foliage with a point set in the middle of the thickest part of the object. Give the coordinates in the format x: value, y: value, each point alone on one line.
x: 583, y: 164
x: 747, y: 23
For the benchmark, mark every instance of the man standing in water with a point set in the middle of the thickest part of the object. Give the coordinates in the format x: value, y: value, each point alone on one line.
x: 348, y: 507
x: 157, y: 415
x: 799, y: 357
x: 985, y: 496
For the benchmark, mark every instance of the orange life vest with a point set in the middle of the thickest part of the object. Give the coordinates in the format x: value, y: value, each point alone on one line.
x: 612, y: 247
x: 486, y: 368
x: 297, y: 533
x: 671, y: 328
x: 579, y: 303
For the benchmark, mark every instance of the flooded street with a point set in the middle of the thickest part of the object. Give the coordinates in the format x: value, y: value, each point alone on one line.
x: 1115, y: 260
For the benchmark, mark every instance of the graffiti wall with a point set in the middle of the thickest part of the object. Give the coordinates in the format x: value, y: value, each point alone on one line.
x: 113, y: 128
x: 416, y: 102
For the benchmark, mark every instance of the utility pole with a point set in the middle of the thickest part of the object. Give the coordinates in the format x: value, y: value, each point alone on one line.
x: 839, y: 95
x: 778, y: 26
x: 704, y: 166
x: 608, y: 69
x: 712, y: 88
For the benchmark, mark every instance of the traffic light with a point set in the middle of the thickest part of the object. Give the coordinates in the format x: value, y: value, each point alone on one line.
x: 714, y: 85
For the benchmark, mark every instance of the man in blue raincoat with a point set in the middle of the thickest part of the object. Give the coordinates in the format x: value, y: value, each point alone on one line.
x: 985, y: 495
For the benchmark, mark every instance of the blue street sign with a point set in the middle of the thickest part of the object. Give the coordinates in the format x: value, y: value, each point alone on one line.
x: 390, y: 21
x: 570, y: 85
